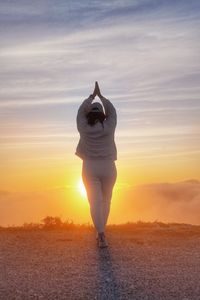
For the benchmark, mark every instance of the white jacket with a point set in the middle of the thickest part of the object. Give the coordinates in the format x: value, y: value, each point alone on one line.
x: 97, y: 141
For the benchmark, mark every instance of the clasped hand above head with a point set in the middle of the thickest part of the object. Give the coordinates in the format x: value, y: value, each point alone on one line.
x: 97, y: 91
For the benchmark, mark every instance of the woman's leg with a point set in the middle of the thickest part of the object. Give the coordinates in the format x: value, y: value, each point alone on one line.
x: 94, y: 193
x: 108, y: 182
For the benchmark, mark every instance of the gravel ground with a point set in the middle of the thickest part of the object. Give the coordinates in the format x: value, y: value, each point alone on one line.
x: 141, y: 262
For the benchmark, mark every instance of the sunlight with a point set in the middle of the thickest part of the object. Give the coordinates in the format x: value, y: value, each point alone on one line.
x: 82, y: 189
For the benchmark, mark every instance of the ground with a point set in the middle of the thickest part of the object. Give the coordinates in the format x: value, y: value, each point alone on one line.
x: 143, y: 261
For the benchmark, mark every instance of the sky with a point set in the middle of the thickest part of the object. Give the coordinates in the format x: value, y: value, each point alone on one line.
x: 145, y: 56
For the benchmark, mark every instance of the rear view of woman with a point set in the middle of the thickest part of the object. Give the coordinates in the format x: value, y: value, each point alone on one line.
x: 98, y: 152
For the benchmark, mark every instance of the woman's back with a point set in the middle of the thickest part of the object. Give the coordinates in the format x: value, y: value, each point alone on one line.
x: 97, y: 141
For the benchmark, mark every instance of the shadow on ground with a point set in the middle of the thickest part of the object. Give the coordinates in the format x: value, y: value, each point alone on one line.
x: 108, y: 286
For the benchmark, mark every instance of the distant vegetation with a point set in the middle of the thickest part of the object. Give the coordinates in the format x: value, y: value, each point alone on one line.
x: 49, y: 223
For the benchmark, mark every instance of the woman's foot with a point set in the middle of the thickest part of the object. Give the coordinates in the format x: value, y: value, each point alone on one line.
x: 101, y: 240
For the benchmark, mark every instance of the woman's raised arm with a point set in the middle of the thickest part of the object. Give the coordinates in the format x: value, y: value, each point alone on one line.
x: 84, y: 108
x: 110, y: 111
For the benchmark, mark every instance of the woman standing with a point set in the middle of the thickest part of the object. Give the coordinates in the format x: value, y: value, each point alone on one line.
x: 98, y: 151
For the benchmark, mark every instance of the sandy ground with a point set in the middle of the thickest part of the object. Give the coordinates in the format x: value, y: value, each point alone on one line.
x: 141, y: 262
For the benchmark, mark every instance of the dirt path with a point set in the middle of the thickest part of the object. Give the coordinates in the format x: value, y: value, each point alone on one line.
x: 140, y: 263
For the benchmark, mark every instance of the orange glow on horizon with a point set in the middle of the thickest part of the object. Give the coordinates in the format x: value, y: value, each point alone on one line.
x: 57, y: 189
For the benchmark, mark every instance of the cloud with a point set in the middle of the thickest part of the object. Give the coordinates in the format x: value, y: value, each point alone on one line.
x: 187, y: 190
x: 167, y: 202
x: 144, y: 53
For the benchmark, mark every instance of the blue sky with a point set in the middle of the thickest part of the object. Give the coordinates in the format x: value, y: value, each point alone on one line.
x: 145, y: 55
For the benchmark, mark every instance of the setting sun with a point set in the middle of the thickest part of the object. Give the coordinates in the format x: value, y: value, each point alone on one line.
x: 82, y: 189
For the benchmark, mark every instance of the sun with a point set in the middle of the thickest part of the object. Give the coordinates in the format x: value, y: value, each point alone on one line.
x: 82, y: 189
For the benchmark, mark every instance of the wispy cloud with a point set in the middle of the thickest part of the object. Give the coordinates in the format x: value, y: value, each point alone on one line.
x: 145, y: 54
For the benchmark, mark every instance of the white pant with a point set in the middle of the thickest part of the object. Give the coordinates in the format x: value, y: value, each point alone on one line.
x: 99, y: 177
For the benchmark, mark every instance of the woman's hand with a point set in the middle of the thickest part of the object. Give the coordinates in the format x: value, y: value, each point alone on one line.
x: 97, y: 89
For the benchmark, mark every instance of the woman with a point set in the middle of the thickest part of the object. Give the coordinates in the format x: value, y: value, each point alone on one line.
x: 98, y: 151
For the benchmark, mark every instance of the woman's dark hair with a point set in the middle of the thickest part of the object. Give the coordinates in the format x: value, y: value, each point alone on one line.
x: 93, y: 116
